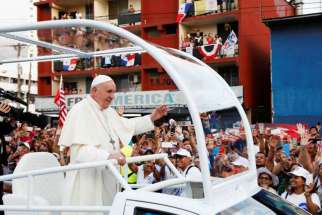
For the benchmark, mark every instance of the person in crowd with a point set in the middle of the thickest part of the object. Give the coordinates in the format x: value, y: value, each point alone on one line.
x: 22, y: 149
x: 266, y: 179
x: 314, y: 132
x: 229, y: 5
x: 198, y: 39
x: 222, y: 167
x: 185, y: 43
x: 148, y: 172
x: 93, y: 131
x: 301, y: 191
x: 318, y: 126
x: 220, y: 5
x: 240, y: 164
x: 131, y: 10
x: 260, y: 160
x: 209, y: 39
x: 188, y: 169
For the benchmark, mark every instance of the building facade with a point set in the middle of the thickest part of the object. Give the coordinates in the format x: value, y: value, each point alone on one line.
x: 21, y: 77
x: 203, y: 33
x: 296, y: 69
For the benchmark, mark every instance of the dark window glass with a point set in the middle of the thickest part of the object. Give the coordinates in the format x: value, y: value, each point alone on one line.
x: 170, y: 29
x: 230, y: 74
x: 277, y: 204
x: 145, y: 211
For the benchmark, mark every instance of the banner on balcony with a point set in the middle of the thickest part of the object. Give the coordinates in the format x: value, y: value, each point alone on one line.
x: 128, y: 60
x: 183, y: 11
x: 209, y: 52
x: 69, y: 64
x: 230, y: 43
x: 211, y: 6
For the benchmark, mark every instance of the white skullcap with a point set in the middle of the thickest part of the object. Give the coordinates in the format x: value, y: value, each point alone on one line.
x: 100, y: 79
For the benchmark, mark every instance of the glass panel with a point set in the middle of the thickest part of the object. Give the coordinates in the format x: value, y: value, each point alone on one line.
x: 225, y: 141
x: 277, y: 204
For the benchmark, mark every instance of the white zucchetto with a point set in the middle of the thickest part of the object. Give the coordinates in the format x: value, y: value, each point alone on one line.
x: 100, y: 79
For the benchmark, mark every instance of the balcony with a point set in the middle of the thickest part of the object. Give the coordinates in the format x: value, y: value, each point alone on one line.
x: 211, y: 43
x: 129, y: 18
x: 212, y: 52
x: 120, y: 64
x: 209, y: 12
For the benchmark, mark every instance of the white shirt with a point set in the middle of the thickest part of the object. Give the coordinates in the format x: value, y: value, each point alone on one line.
x: 192, y: 173
x: 149, y: 179
x: 300, y: 200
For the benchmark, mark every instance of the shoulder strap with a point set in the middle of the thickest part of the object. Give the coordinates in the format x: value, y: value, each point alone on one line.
x: 188, y: 170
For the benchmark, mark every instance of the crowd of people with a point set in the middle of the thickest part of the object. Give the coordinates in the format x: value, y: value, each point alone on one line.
x: 287, y: 165
x: 203, y: 44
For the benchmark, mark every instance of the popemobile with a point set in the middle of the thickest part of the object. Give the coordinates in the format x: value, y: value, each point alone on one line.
x: 37, y: 182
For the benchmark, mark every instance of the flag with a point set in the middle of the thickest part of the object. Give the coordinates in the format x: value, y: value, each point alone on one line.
x: 123, y: 60
x: 183, y: 11
x: 69, y: 64
x: 229, y: 45
x: 209, y: 51
x: 60, y: 102
x: 130, y: 60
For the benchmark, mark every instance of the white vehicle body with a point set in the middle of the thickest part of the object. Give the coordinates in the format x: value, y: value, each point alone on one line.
x: 204, y: 91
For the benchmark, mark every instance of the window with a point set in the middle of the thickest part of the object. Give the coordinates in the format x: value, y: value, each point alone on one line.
x: 13, y: 80
x: 230, y: 74
x: 152, y: 32
x: 277, y: 204
x: 170, y: 29
x: 144, y: 211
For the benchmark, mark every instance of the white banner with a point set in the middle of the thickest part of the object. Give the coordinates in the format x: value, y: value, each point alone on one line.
x: 139, y: 99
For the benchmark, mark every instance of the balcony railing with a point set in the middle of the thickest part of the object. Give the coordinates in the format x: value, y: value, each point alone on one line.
x: 204, y: 7
x: 212, y: 51
x: 128, y: 60
x: 129, y: 18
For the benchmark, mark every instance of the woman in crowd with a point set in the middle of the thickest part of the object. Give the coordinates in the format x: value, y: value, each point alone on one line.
x: 300, y: 192
x: 266, y: 179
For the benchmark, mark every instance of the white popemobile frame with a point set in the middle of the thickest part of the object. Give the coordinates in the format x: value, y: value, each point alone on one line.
x: 197, y: 81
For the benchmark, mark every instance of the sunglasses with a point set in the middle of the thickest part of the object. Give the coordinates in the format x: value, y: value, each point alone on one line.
x: 265, y: 178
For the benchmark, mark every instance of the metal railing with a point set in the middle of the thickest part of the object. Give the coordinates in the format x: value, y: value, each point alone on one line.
x: 106, y: 163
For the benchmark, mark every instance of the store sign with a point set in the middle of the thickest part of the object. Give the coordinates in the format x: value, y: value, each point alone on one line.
x: 139, y: 99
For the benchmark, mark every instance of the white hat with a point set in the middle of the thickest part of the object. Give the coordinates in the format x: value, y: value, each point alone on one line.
x: 241, y: 161
x: 300, y: 171
x: 183, y: 152
x: 268, y: 172
x: 100, y: 79
x: 24, y: 144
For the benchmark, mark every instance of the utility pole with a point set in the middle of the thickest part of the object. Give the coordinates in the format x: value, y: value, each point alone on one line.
x: 29, y: 84
x: 19, y: 72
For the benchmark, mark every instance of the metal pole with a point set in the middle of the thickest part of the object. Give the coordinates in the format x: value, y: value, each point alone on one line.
x: 19, y: 71
x: 29, y: 85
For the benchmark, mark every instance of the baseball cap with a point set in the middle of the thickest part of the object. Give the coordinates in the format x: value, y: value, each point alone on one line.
x: 300, y: 171
x: 24, y: 144
x: 183, y: 153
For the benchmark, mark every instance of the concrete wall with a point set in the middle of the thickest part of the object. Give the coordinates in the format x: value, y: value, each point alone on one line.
x: 101, y: 9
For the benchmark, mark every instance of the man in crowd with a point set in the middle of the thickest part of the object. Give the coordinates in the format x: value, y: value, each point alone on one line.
x: 94, y: 131
x: 189, y: 171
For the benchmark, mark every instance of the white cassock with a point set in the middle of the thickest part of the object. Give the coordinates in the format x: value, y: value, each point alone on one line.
x: 88, y: 131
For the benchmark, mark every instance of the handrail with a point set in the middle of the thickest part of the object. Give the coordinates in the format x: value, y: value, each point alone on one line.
x: 54, y: 208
